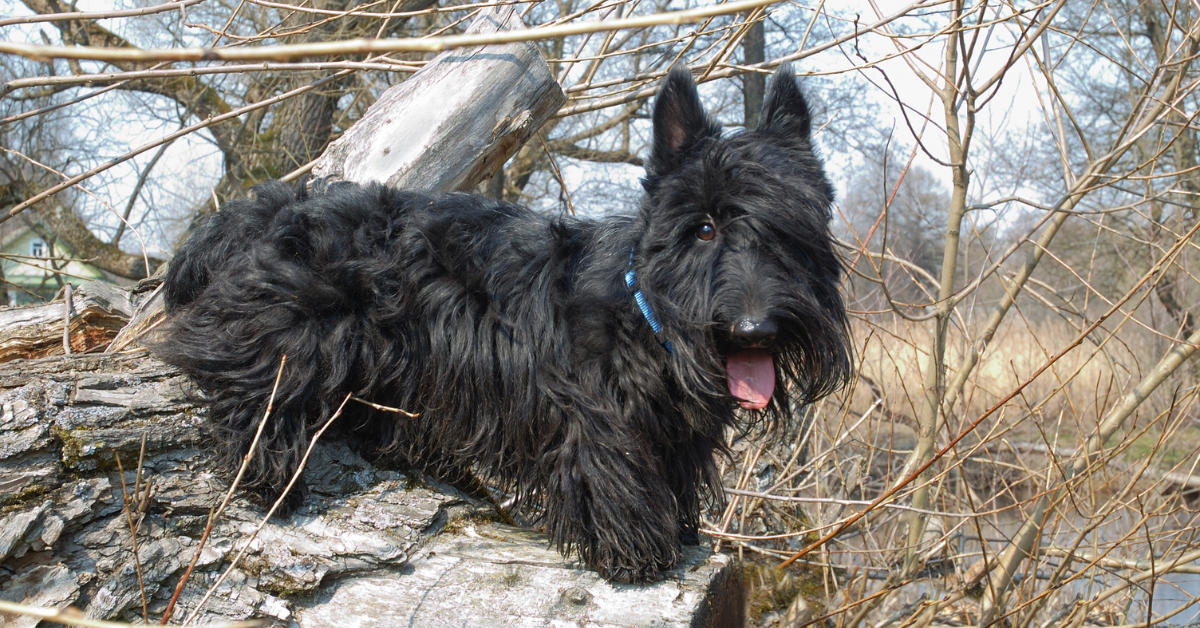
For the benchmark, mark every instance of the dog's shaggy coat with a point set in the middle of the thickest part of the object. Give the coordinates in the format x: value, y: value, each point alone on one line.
x: 518, y: 337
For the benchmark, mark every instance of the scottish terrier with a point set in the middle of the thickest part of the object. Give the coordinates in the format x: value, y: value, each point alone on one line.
x: 590, y: 367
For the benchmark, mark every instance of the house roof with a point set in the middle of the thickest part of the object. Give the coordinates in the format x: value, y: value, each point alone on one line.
x: 12, y: 230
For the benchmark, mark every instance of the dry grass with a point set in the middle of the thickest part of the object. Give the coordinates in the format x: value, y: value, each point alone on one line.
x: 859, y: 443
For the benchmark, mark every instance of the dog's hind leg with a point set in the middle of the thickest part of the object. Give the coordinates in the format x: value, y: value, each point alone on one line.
x: 237, y: 366
x: 232, y: 341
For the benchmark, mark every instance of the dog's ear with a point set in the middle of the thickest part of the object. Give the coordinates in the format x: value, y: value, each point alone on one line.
x: 679, y: 121
x: 785, y: 112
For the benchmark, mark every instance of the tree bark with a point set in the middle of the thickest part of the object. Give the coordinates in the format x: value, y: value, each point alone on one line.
x: 100, y: 311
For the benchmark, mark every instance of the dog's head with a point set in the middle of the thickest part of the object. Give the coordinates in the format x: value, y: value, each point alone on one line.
x: 736, y: 255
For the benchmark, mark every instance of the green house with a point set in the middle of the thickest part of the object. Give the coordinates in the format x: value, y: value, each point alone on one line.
x: 36, y: 264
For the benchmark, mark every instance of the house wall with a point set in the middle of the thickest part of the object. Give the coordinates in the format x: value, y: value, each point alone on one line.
x: 34, y: 276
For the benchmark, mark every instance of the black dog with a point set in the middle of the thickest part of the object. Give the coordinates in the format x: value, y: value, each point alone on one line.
x: 590, y: 367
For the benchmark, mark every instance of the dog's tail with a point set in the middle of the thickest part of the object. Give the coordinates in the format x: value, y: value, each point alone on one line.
x: 220, y: 238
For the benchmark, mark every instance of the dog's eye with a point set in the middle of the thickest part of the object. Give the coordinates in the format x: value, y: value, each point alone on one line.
x: 706, y: 231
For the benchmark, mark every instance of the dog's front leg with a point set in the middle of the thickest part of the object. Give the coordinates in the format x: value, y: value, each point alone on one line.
x: 689, y: 468
x: 606, y: 496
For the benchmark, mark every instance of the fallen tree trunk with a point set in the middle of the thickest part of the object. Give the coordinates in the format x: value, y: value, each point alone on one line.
x: 454, y: 123
x: 369, y: 547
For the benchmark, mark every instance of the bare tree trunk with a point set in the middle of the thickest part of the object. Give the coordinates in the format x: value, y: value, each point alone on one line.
x: 303, y: 125
x: 935, y: 367
x: 1183, y: 153
x: 753, y: 84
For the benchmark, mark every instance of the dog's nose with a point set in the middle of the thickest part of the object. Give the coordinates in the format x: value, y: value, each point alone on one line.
x: 754, y: 332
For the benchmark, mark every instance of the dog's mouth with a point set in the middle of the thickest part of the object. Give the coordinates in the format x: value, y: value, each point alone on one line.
x: 751, y: 377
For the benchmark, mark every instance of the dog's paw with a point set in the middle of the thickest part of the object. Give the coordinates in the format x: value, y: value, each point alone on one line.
x: 634, y: 565
x: 266, y: 497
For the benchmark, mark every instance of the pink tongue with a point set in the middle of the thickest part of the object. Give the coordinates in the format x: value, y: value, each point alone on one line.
x: 751, y: 377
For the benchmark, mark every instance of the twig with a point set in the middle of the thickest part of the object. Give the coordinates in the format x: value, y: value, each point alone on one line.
x: 389, y: 14
x: 744, y: 477
x: 137, y: 191
x: 297, y: 173
x: 207, y: 122
x: 364, y: 46
x: 74, y: 618
x: 214, y: 514
x: 141, y: 496
x: 385, y: 408
x: 59, y: 105
x: 562, y: 184
x: 80, y: 15
x: 261, y: 524
x: 110, y: 77
x: 1118, y: 563
x: 137, y: 561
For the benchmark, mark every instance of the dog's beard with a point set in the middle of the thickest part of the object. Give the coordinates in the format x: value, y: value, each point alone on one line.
x: 750, y: 375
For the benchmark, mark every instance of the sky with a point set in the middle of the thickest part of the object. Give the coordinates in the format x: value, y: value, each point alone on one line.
x: 114, y: 124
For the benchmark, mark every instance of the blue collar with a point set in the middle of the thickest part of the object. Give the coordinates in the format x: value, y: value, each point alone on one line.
x: 644, y: 305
